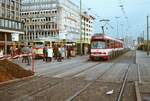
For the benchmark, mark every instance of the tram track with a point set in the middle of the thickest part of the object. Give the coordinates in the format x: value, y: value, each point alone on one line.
x: 134, y: 85
x: 43, y: 82
x: 71, y: 98
x: 51, y: 87
x: 48, y: 86
x: 91, y: 83
x: 35, y: 78
x: 123, y: 85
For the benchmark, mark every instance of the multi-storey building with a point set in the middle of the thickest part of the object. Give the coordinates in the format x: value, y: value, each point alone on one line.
x: 87, y: 30
x: 87, y: 27
x: 50, y: 20
x: 10, y: 23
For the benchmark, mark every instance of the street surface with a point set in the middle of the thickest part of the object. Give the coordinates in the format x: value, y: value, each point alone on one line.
x: 78, y: 79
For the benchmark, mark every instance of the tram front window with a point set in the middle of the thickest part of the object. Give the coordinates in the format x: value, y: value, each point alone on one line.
x: 97, y: 45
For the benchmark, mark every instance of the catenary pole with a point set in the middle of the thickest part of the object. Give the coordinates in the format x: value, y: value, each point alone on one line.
x: 147, y: 35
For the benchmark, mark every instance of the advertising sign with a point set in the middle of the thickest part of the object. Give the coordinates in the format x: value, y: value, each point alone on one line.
x: 15, y: 36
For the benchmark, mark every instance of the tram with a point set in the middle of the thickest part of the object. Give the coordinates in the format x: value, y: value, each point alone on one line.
x: 105, y: 47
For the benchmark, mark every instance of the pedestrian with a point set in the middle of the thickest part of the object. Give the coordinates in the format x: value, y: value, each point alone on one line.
x: 62, y: 51
x: 26, y: 55
x: 59, y: 55
x: 1, y: 53
x: 11, y: 51
x: 49, y: 53
x: 45, y: 53
x: 29, y: 51
x: 68, y: 52
x: 55, y: 50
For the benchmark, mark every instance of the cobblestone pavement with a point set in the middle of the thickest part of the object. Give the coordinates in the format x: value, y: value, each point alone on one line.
x: 78, y: 79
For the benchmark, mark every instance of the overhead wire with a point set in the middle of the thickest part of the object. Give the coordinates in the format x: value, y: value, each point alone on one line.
x: 121, y: 5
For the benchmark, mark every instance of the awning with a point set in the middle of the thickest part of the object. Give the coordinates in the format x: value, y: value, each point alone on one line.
x: 11, y: 31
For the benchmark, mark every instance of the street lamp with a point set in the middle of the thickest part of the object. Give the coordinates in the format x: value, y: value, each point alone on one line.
x: 81, y: 52
x: 147, y: 35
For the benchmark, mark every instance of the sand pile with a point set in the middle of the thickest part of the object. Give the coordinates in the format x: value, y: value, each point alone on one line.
x: 9, y: 71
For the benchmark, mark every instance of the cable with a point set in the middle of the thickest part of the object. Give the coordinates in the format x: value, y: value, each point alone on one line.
x: 122, y: 7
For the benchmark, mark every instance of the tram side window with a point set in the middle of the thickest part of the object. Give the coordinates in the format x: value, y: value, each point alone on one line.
x: 108, y: 44
x: 98, y: 45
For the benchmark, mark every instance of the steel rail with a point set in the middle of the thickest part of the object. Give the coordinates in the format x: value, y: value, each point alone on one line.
x: 53, y: 86
x: 123, y: 85
x: 89, y: 84
x: 137, y: 91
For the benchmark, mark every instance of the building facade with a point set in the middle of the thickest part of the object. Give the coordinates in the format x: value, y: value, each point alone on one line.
x: 87, y: 30
x: 87, y: 27
x: 10, y: 23
x: 50, y: 20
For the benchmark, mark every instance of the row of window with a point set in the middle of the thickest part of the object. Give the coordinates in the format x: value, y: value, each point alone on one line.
x: 8, y: 14
x: 39, y: 12
x: 10, y: 4
x: 38, y: 6
x: 37, y: 1
x: 86, y: 30
x: 47, y: 20
x: 38, y: 27
x: 87, y: 25
x: 85, y: 34
x: 87, y: 22
x: 69, y: 28
x: 32, y: 36
x: 11, y: 24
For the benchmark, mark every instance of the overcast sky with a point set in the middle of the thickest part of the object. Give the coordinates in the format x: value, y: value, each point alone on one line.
x: 132, y: 15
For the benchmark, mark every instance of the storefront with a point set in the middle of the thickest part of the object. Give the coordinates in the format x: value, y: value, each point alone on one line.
x: 8, y: 28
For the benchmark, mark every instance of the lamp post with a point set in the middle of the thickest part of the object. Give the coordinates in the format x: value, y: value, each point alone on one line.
x: 147, y: 35
x: 81, y: 52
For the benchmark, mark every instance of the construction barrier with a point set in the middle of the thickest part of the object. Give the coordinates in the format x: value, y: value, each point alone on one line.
x: 9, y: 57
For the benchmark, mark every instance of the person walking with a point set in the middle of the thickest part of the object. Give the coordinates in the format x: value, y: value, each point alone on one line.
x: 49, y: 53
x: 62, y: 51
x: 11, y: 51
x: 56, y: 51
x: 59, y: 55
x: 29, y: 51
x: 26, y: 57
x: 68, y: 52
x: 45, y: 53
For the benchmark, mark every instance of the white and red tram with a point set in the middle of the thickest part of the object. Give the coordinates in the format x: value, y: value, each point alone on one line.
x: 104, y: 47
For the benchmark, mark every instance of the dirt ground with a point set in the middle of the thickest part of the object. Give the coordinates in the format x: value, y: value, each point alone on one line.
x: 10, y: 71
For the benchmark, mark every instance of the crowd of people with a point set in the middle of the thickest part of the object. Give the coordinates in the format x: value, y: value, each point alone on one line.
x: 56, y: 52
x: 49, y: 52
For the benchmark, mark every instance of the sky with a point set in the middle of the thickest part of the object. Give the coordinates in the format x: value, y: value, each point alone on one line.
x: 129, y: 15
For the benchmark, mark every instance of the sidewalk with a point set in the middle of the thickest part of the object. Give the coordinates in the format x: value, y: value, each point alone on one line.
x: 41, y: 65
x: 142, y: 58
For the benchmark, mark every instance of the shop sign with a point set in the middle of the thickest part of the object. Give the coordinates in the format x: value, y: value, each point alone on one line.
x: 15, y: 36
